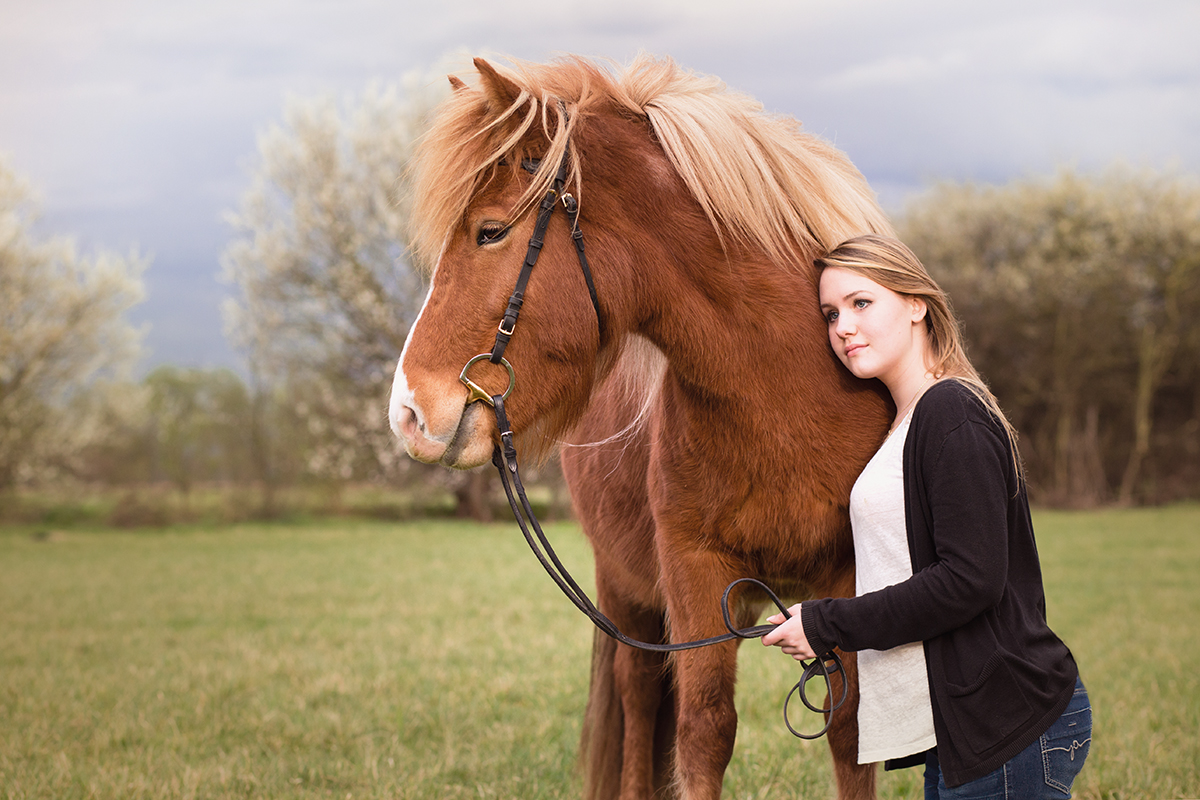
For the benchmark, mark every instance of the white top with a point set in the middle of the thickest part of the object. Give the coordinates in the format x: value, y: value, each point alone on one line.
x: 895, y: 718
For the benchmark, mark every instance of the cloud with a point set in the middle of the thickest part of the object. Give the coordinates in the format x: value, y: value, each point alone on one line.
x: 897, y: 71
x: 137, y: 118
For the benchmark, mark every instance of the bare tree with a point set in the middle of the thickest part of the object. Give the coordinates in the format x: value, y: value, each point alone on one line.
x: 64, y: 326
x: 1160, y: 246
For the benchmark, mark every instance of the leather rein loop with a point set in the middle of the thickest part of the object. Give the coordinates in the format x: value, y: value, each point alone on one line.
x: 504, y: 457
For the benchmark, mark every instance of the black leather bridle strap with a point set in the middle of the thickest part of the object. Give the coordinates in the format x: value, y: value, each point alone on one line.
x: 509, y: 323
x: 572, y: 207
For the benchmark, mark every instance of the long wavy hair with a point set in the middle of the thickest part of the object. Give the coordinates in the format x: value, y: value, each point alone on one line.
x: 891, y: 264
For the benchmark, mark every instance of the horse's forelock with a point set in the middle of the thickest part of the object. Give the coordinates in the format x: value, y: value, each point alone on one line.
x: 471, y: 134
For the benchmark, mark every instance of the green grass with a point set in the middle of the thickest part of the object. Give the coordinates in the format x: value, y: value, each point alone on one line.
x: 435, y: 660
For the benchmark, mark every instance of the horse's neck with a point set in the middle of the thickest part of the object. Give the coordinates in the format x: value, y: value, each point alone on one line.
x: 744, y: 340
x: 759, y: 431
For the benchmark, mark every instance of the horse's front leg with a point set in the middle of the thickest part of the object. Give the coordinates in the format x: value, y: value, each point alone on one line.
x: 704, y: 678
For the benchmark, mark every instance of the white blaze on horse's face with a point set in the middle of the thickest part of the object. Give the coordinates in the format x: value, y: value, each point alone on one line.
x: 428, y: 415
x: 406, y: 418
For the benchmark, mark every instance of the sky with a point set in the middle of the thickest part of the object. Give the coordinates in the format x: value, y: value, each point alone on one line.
x: 136, y: 121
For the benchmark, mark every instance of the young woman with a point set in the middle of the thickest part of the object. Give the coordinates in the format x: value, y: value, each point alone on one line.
x: 957, y: 667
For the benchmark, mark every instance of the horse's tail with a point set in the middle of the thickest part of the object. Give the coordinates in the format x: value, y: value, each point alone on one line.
x: 603, y: 725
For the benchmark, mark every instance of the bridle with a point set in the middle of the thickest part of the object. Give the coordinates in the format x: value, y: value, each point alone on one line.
x: 504, y: 457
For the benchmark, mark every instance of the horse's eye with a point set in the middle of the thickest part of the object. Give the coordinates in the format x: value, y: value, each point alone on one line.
x: 491, y: 232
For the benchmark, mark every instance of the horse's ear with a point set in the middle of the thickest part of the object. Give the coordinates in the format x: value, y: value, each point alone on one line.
x: 496, y: 86
x: 456, y: 83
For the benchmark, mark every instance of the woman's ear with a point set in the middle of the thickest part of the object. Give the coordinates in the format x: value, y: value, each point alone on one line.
x: 919, y: 308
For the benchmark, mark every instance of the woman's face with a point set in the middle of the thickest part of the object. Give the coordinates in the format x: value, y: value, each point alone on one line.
x: 875, y: 332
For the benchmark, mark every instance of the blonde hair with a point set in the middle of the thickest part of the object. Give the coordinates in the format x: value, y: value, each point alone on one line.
x: 891, y: 264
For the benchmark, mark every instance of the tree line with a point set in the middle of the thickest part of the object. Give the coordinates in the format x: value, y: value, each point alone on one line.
x: 1079, y: 295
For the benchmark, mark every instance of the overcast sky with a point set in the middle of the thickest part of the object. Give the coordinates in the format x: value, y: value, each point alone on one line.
x: 136, y: 120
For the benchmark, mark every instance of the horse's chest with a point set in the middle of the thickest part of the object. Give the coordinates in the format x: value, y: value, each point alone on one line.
x: 725, y: 504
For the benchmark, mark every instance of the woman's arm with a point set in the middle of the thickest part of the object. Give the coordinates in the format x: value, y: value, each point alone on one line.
x: 966, y: 501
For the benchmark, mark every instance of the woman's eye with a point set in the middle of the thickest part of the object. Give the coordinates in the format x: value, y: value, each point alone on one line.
x: 861, y: 303
x: 831, y: 317
x: 492, y: 232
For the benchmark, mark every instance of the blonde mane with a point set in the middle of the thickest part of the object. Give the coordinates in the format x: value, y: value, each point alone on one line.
x: 762, y: 181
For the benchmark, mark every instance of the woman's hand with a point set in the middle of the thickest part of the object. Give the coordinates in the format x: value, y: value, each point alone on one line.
x: 789, y: 636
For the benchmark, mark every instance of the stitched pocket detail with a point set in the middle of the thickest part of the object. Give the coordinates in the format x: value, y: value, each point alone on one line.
x: 998, y: 705
x: 1065, y: 746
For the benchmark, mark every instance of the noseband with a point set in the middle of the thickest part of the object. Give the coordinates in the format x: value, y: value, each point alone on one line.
x: 504, y: 457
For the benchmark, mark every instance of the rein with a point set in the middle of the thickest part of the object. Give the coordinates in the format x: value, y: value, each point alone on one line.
x: 504, y: 458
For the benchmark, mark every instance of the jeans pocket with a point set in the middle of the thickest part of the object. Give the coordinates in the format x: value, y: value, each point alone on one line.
x: 1066, y: 744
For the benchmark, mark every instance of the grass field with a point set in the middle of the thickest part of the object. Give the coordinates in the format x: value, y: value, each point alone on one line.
x: 351, y: 659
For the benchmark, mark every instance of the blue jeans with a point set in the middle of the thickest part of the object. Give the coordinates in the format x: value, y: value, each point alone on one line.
x: 1043, y: 771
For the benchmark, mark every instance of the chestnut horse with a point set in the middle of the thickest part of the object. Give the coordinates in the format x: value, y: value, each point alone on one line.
x: 710, y: 433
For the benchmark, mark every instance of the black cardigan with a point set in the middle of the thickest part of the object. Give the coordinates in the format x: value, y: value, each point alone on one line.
x: 998, y: 676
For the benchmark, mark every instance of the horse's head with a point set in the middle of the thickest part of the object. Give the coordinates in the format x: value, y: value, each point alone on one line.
x: 688, y: 194
x: 488, y: 162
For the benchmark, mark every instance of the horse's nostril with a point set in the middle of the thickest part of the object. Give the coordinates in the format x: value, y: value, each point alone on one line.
x: 409, y: 424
